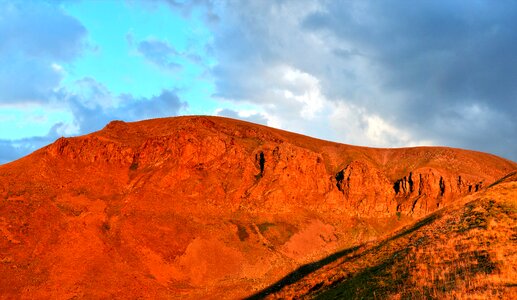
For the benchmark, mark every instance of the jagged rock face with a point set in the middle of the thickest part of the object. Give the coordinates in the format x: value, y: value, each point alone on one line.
x: 366, y: 190
x: 198, y: 206
x: 290, y: 176
x: 273, y: 175
x: 426, y: 189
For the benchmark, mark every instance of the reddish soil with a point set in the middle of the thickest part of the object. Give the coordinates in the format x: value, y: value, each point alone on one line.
x: 208, y: 207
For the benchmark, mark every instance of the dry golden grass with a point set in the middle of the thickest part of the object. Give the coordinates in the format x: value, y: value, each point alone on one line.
x: 465, y: 251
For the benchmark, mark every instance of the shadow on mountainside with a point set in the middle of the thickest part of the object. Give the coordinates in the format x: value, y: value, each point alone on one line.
x: 307, y: 269
x: 453, y: 251
x: 301, y: 272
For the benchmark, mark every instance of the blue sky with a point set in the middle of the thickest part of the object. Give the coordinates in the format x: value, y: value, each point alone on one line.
x: 384, y: 74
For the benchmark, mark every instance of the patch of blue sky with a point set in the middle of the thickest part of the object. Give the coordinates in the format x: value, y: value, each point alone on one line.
x: 30, y: 120
x: 112, y: 58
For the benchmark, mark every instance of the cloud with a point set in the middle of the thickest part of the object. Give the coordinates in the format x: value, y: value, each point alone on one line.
x: 452, y: 49
x: 26, y: 80
x: 363, y: 72
x: 166, y: 104
x: 284, y: 70
x: 452, y: 61
x: 252, y: 116
x: 355, y: 126
x: 164, y: 55
x: 279, y: 87
x: 187, y: 8
x: 93, y: 105
x: 159, y: 53
x: 439, y: 72
x: 36, y: 37
x: 14, y: 149
x: 39, y: 29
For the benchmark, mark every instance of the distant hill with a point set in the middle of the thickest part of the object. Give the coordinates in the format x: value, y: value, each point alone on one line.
x: 209, y: 207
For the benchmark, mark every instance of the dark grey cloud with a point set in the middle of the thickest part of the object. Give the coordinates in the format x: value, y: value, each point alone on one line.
x: 447, y: 48
x: 440, y: 72
x: 159, y: 53
x: 453, y: 60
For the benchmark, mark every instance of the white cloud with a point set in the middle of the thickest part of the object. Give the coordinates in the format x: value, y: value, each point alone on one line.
x: 249, y: 115
x: 355, y: 125
x: 57, y: 67
x: 305, y: 89
x: 293, y: 100
x: 68, y: 129
x: 383, y: 134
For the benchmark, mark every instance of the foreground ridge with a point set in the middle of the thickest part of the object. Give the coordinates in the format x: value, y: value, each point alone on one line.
x: 467, y: 249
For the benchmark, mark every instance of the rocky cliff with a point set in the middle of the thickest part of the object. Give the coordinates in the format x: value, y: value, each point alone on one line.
x: 259, y: 166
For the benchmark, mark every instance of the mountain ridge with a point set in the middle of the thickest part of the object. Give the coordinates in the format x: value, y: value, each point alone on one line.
x: 194, y: 206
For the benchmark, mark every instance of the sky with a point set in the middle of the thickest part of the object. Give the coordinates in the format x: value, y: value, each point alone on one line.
x: 372, y: 73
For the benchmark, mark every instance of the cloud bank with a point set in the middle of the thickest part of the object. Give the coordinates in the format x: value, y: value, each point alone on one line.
x: 377, y: 73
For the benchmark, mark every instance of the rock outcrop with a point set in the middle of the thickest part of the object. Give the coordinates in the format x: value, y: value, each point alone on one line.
x: 366, y: 190
x: 426, y: 189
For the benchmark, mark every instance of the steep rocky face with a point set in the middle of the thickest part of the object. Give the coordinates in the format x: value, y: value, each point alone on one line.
x: 366, y: 190
x: 273, y: 173
x: 427, y: 189
x: 197, y: 206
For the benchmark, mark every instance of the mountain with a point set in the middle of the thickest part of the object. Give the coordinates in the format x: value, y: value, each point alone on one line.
x: 466, y: 250
x: 209, y: 207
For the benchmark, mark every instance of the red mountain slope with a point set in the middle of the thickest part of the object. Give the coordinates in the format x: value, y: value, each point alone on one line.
x: 207, y: 207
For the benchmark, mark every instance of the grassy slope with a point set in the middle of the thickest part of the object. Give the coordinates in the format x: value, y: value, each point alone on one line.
x: 467, y: 250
